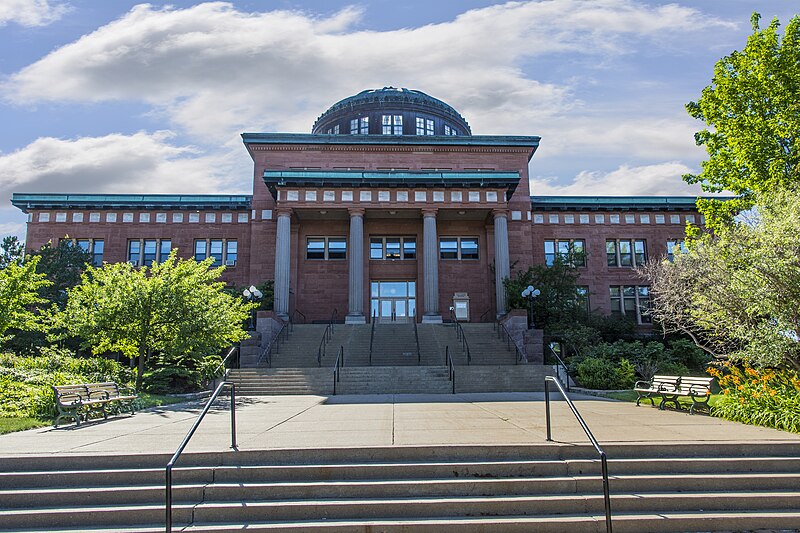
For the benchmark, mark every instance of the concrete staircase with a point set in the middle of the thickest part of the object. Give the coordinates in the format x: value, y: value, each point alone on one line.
x: 394, y: 380
x: 394, y: 345
x: 280, y: 381
x: 515, y: 488
x: 485, y: 347
x: 502, y: 378
x: 300, y: 348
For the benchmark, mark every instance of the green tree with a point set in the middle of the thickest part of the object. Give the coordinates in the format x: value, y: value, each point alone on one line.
x: 19, y: 294
x: 737, y: 292
x: 11, y: 251
x: 62, y: 265
x: 175, y: 307
x: 752, y: 110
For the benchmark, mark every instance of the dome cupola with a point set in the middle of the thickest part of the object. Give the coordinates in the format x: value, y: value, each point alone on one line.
x: 391, y: 111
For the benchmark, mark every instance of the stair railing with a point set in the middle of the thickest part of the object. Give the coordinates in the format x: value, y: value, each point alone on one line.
x: 334, y: 316
x: 327, y: 335
x: 451, y: 372
x: 416, y: 338
x: 337, y: 368
x: 560, y: 366
x: 372, y: 335
x: 603, y: 458
x: 483, y: 315
x: 274, y: 343
x: 179, y: 451
x: 460, y: 336
x: 519, y: 355
x: 298, y: 312
x: 225, y: 360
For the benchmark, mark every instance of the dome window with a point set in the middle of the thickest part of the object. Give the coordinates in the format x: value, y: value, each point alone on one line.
x: 449, y: 131
x: 359, y: 126
x: 334, y: 130
x: 424, y: 126
x: 392, y: 125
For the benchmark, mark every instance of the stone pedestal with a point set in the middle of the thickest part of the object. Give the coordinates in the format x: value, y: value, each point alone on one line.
x: 534, y: 345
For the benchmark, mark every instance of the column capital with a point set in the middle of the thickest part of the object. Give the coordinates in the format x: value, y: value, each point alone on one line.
x: 429, y: 212
x: 356, y: 211
x: 500, y: 213
x: 283, y: 211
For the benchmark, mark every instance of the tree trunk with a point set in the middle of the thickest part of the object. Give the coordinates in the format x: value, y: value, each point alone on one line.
x: 140, y: 369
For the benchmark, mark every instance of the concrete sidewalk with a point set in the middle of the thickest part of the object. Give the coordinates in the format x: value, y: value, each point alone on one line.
x: 267, y: 422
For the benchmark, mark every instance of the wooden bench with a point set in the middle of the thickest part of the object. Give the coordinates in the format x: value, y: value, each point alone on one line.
x: 84, y: 400
x: 672, y: 388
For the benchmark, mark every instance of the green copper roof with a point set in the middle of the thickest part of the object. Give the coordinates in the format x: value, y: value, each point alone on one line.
x: 130, y: 201
x: 607, y: 203
x: 531, y: 142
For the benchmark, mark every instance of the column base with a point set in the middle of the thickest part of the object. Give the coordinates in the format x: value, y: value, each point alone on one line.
x: 431, y: 319
x: 282, y: 316
x: 355, y: 319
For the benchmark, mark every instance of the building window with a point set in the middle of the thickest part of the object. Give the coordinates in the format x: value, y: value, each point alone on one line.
x: 393, y: 248
x: 690, y: 219
x: 424, y: 126
x: 584, y: 219
x: 77, y: 217
x: 674, y: 245
x: 582, y: 297
x: 177, y: 218
x: 630, y: 219
x: 334, y: 130
x: 44, y: 217
x: 226, y: 218
x: 359, y: 126
x: 241, y: 218
x: 464, y: 248
x: 94, y: 217
x: 392, y: 125
x: 644, y: 219
x: 145, y: 252
x: 450, y: 131
x: 659, y: 219
x: 111, y: 217
x: 144, y: 217
x: 326, y: 248
x: 632, y: 302
x: 61, y: 217
x: 599, y: 219
x: 571, y: 251
x: 552, y: 219
x: 674, y: 219
x: 569, y: 219
x: 194, y: 218
x: 211, y: 218
x: 223, y: 251
x: 94, y: 247
x: 626, y: 252
x: 613, y: 219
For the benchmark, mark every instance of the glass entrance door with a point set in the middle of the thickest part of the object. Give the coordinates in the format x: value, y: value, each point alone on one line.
x: 393, y: 301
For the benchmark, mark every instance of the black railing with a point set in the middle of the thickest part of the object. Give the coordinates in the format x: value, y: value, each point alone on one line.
x: 451, y: 368
x: 372, y: 336
x: 503, y: 333
x: 179, y: 451
x: 416, y: 338
x: 298, y: 312
x: 560, y: 367
x: 484, y: 314
x: 603, y: 458
x: 228, y: 361
x: 334, y: 316
x: 461, y: 336
x: 337, y: 368
x: 274, y: 344
x: 327, y: 335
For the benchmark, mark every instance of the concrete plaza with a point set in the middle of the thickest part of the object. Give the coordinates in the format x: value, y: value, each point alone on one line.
x: 270, y: 422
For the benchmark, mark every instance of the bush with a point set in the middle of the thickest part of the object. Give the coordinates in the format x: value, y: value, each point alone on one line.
x: 25, y: 382
x: 602, y: 373
x: 186, y: 373
x: 763, y: 397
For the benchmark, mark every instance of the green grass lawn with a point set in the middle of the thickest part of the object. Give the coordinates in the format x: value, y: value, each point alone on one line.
x: 630, y: 396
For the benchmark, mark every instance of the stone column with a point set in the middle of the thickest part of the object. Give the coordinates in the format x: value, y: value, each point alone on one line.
x: 282, y: 263
x: 502, y: 268
x: 430, y: 250
x: 355, y: 294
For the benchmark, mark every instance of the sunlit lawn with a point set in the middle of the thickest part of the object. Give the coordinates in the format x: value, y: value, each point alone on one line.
x: 630, y: 396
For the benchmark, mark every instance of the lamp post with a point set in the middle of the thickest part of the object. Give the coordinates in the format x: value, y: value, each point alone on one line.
x: 529, y: 294
x: 252, y: 295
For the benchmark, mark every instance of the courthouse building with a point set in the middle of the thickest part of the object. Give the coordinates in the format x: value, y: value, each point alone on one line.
x: 391, y: 208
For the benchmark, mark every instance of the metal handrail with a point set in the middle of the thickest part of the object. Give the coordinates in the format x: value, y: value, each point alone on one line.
x: 372, y: 335
x: 461, y: 336
x: 334, y: 316
x: 337, y: 374
x: 603, y: 458
x: 275, y: 342
x: 302, y: 314
x: 179, y: 451
x: 323, y: 343
x: 520, y: 354
x: 559, y: 366
x: 416, y: 338
x: 225, y: 360
x: 448, y: 361
x: 483, y: 315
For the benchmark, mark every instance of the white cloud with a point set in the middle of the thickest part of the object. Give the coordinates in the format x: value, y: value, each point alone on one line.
x: 215, y: 70
x: 647, y: 180
x: 138, y: 163
x: 31, y: 12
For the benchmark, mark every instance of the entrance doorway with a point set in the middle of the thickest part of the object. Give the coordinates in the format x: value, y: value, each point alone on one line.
x: 393, y: 301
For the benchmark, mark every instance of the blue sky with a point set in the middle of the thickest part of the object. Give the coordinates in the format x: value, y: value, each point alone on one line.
x: 105, y: 96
